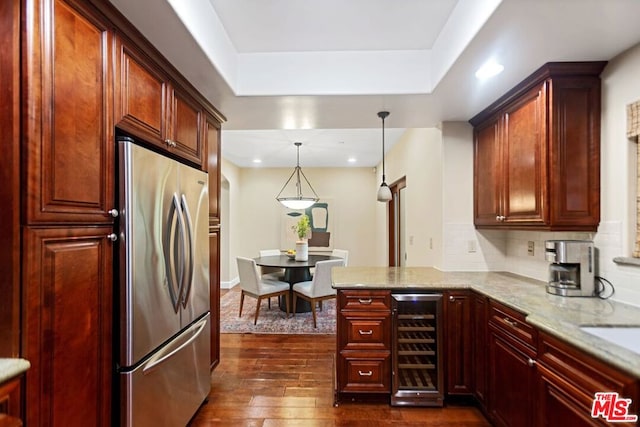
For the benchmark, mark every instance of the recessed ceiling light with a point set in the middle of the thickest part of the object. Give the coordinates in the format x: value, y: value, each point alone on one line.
x: 257, y: 161
x: 489, y: 69
x: 352, y: 160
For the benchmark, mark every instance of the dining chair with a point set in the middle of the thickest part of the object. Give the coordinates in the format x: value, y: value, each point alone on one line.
x: 271, y: 273
x: 319, y: 288
x: 253, y: 285
x: 341, y: 253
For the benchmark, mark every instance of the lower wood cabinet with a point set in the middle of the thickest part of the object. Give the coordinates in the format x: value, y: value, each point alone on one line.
x: 480, y: 349
x: 567, y: 380
x: 11, y: 401
x: 68, y: 321
x: 363, y: 343
x: 511, y: 370
x: 458, y: 322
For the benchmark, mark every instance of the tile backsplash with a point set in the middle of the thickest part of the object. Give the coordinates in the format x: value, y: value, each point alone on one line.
x: 468, y: 249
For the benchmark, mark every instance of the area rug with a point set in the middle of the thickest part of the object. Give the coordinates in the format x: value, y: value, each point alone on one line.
x: 272, y: 321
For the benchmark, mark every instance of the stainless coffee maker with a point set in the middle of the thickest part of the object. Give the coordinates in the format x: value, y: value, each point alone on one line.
x: 572, y: 268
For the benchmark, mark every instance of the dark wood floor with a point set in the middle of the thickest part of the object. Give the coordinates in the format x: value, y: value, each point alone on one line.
x: 287, y: 380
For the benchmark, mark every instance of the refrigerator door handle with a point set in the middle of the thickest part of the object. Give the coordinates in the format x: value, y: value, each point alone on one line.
x: 187, y: 279
x: 161, y: 357
x: 170, y: 249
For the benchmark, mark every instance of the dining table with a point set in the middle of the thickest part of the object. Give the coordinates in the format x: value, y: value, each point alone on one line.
x: 294, y: 272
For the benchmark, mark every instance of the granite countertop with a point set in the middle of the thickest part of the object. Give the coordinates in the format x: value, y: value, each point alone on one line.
x: 556, y: 315
x: 10, y: 368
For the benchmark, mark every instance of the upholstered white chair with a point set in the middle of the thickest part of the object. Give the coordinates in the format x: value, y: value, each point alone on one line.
x: 253, y: 285
x: 271, y: 273
x: 341, y: 253
x: 318, y: 289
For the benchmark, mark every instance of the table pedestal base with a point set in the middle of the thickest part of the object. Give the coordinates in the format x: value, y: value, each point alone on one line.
x: 293, y: 276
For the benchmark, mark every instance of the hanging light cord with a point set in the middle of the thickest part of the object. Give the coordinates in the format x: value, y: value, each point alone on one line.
x: 297, y: 171
x: 383, y: 115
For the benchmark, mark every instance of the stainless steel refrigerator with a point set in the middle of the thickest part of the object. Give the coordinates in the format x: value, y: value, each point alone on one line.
x: 164, y: 288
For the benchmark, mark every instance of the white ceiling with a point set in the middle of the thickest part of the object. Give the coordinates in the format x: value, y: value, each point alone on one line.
x: 319, y: 71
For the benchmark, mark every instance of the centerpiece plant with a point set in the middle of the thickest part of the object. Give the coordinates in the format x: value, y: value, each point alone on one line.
x: 303, y: 230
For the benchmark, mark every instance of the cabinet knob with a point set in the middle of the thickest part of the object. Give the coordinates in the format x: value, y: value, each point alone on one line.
x: 531, y: 362
x: 510, y: 322
x: 452, y: 298
x: 114, y: 213
x: 170, y: 143
x: 500, y: 218
x: 113, y: 237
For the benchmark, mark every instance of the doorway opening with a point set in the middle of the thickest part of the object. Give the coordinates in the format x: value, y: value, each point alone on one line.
x: 397, y: 223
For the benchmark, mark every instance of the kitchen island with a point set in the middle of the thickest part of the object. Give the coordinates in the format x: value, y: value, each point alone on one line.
x: 509, y: 318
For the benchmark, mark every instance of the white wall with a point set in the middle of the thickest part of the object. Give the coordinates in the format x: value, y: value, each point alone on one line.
x: 417, y: 156
x: 229, y: 224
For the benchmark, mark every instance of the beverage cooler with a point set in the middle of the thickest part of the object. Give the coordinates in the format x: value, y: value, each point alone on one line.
x: 417, y: 377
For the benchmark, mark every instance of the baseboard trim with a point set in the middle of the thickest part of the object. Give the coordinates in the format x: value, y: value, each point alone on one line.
x: 230, y: 284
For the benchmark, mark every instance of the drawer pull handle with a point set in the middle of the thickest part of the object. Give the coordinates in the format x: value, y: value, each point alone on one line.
x: 365, y: 301
x: 369, y: 332
x: 510, y: 322
x: 365, y: 374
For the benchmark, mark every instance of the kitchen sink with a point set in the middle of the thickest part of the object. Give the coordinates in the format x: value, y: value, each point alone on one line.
x: 624, y: 336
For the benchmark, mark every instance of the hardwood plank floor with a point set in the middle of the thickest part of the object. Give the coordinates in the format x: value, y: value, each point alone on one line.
x: 287, y: 380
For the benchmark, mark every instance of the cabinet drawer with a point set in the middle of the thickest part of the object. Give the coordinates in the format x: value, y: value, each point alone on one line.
x: 512, y: 322
x: 367, y: 373
x: 365, y: 300
x: 365, y: 333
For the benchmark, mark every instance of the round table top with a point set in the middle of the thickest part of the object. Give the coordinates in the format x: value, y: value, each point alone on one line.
x: 283, y: 261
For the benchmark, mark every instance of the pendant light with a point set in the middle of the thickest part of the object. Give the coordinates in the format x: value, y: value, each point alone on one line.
x: 298, y: 201
x: 384, y: 193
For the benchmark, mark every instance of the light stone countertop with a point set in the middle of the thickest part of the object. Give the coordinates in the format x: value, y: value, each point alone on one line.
x: 556, y: 315
x: 10, y: 368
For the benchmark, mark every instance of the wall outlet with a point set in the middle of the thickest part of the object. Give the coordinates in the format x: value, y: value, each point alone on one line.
x: 471, y: 246
x: 530, y: 247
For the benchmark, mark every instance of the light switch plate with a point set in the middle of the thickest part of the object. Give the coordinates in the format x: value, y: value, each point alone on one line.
x: 530, y: 247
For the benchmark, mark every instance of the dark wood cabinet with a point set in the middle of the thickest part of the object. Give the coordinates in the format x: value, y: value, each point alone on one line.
x: 214, y: 292
x: 69, y: 130
x: 567, y: 380
x: 214, y: 147
x: 68, y: 316
x: 363, y: 343
x: 458, y: 322
x: 141, y: 94
x: 512, y: 353
x: 537, y: 152
x: 10, y: 190
x: 480, y: 349
x: 11, y: 401
x: 152, y: 107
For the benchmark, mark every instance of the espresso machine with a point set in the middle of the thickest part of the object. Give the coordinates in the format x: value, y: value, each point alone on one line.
x: 572, y: 268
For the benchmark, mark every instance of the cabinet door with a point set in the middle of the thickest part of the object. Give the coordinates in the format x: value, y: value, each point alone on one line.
x: 214, y: 289
x: 458, y: 311
x: 140, y: 95
x: 487, y: 171
x: 69, y: 128
x: 511, y: 382
x: 11, y: 399
x: 574, y: 147
x: 524, y: 160
x: 68, y: 319
x: 480, y: 348
x: 184, y: 130
x: 212, y: 135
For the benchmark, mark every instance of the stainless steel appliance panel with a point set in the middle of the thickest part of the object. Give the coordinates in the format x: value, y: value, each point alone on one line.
x: 149, y: 315
x: 195, y: 197
x: 172, y: 384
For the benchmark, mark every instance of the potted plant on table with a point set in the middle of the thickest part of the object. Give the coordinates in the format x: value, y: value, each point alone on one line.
x: 303, y: 231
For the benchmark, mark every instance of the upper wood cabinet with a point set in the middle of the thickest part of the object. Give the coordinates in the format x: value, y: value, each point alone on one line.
x: 153, y: 108
x: 212, y: 135
x: 537, y: 152
x: 68, y: 139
